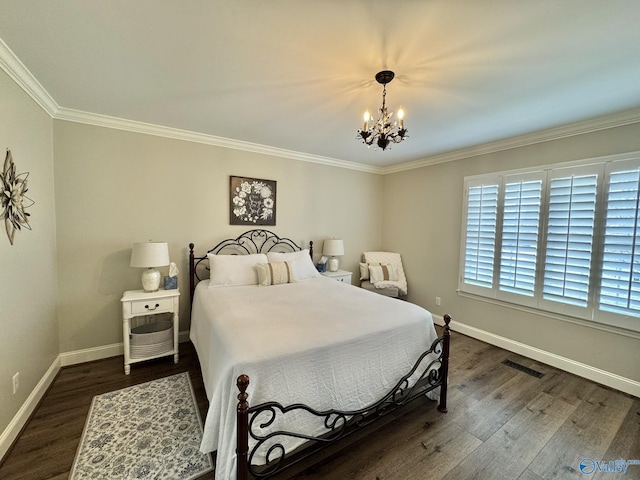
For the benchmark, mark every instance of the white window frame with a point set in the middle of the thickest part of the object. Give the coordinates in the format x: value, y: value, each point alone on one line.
x: 586, y: 312
x: 591, y: 313
x: 501, y: 294
x: 609, y: 318
x: 488, y: 180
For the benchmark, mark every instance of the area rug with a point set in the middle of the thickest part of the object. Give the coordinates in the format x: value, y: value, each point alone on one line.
x: 148, y: 431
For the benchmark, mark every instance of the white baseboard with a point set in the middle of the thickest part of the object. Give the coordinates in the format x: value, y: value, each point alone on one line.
x: 65, y: 359
x: 105, y: 351
x: 603, y: 377
x: 91, y: 354
x: 16, y: 424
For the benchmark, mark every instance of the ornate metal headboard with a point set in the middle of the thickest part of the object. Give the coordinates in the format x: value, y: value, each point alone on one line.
x: 252, y: 241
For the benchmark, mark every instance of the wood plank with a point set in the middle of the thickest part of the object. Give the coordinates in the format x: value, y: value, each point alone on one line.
x: 416, y: 448
x: 588, y: 432
x: 508, y: 452
x: 529, y: 475
x: 464, y: 374
x: 492, y: 411
x: 625, y: 444
x: 569, y: 388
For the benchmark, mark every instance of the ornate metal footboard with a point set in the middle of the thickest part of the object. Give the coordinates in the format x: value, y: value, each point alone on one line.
x: 338, y: 424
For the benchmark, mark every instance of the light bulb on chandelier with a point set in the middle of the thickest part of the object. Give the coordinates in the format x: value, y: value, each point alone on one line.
x: 383, y: 132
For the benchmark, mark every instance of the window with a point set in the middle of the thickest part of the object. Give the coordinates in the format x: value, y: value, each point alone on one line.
x: 569, y: 242
x: 564, y: 239
x: 620, y: 284
x: 482, y: 210
x: 520, y: 224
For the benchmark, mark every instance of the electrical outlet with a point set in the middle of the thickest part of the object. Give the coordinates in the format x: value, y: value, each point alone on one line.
x: 16, y: 382
x: 438, y: 301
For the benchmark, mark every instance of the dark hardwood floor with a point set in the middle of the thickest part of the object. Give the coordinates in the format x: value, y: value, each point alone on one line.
x: 502, y: 424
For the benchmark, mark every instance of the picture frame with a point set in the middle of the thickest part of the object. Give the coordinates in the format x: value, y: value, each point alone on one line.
x: 252, y: 201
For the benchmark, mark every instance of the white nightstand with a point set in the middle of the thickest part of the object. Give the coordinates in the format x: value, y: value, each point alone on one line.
x: 339, y: 275
x: 138, y: 303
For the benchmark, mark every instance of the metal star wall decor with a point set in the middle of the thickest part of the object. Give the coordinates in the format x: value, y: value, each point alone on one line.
x: 13, y: 200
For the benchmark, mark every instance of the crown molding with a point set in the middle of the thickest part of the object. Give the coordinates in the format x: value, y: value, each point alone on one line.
x: 188, y: 136
x: 627, y: 117
x: 20, y: 74
x: 12, y: 65
x: 593, y: 125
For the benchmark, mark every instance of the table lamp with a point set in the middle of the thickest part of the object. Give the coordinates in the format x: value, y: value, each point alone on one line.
x: 149, y: 255
x: 333, y: 248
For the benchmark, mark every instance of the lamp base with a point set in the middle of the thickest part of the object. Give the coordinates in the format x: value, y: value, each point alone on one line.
x: 150, y: 280
x: 334, y: 263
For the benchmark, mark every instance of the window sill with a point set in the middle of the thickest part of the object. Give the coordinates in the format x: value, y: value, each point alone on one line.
x: 555, y: 316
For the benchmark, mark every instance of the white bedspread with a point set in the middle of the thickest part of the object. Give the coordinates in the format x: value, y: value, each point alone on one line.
x: 318, y: 342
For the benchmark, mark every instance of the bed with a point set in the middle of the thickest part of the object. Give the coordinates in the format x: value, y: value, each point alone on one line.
x: 317, y: 358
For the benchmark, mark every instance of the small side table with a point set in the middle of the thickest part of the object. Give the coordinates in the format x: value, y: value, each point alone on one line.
x: 339, y: 275
x: 138, y: 303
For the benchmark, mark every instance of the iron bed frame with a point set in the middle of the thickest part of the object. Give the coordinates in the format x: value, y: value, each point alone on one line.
x: 338, y: 423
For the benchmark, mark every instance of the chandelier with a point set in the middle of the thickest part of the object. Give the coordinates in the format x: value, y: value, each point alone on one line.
x: 383, y: 132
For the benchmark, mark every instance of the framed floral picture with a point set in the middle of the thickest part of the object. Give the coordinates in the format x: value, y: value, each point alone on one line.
x: 252, y: 201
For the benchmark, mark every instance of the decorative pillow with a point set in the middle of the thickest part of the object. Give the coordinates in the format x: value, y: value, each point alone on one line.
x: 303, y: 267
x: 233, y: 270
x: 383, y: 273
x: 275, y: 273
x: 364, y: 270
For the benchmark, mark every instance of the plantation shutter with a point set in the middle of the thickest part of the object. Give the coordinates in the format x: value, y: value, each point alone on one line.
x: 482, y: 212
x: 620, y: 278
x: 520, y: 225
x: 570, y: 227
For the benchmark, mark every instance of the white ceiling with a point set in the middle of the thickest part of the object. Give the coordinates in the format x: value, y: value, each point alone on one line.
x: 298, y: 74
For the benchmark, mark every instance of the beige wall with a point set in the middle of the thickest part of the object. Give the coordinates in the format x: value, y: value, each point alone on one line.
x: 423, y: 218
x: 114, y: 188
x: 28, y: 285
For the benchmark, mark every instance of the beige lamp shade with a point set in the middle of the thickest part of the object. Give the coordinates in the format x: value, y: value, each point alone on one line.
x: 333, y: 247
x: 150, y: 255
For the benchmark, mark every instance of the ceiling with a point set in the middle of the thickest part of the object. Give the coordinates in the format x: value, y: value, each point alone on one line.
x: 297, y: 75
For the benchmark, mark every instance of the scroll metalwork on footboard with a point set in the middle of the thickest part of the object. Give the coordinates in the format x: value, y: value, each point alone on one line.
x: 428, y: 373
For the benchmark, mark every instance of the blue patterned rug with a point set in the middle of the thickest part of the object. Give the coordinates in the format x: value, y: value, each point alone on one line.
x: 148, y: 431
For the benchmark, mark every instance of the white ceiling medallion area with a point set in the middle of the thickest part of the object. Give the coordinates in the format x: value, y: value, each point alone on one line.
x: 17, y: 71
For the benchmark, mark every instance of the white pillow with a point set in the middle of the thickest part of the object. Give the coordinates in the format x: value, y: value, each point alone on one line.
x: 303, y: 267
x: 364, y: 270
x: 275, y: 273
x: 232, y: 270
x: 383, y: 273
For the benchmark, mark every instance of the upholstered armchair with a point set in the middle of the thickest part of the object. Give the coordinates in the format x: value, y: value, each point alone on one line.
x: 382, y: 272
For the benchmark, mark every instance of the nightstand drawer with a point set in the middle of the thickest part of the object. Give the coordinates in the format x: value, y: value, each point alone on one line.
x: 156, y: 305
